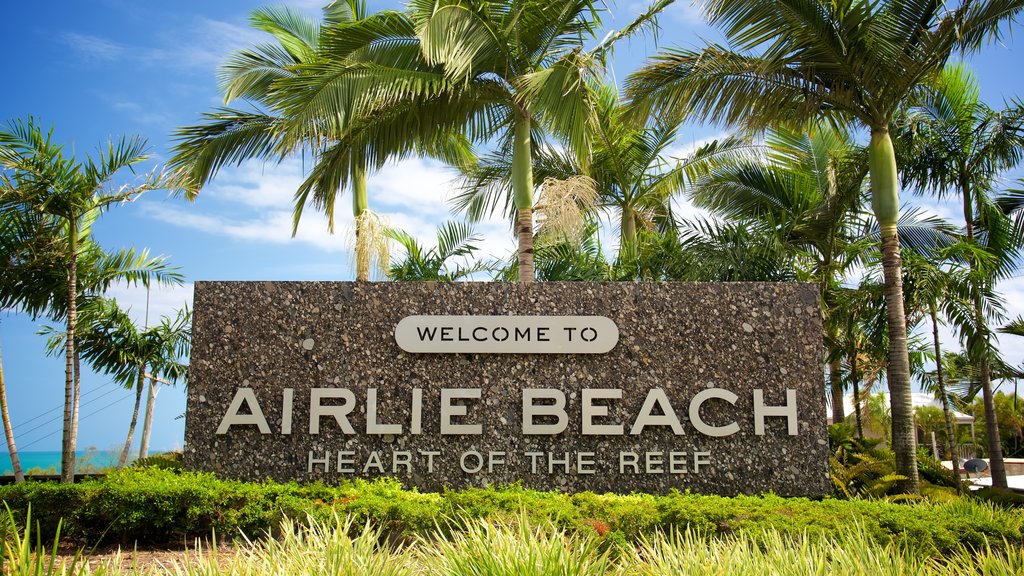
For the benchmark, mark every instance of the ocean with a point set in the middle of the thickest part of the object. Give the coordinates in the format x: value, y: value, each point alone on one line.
x: 49, y: 461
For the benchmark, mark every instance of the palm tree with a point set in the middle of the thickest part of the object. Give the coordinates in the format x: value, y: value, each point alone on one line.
x: 167, y: 348
x: 793, y: 61
x: 566, y: 258
x: 709, y: 250
x: 957, y: 145
x: 454, y: 240
x: 929, y: 285
x: 41, y: 179
x: 853, y: 310
x: 109, y: 341
x: 29, y: 251
x: 34, y: 272
x: 231, y: 135
x: 1015, y: 327
x: 344, y: 144
x: 509, y: 71
x: 808, y: 189
x: 112, y: 344
x: 625, y: 162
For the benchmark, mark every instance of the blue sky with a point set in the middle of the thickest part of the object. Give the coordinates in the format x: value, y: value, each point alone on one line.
x: 100, y: 69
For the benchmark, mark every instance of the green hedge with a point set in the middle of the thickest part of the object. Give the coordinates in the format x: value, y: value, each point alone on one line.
x: 154, y: 506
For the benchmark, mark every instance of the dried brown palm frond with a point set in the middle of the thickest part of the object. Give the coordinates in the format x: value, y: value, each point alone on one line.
x: 369, y: 245
x: 563, y: 206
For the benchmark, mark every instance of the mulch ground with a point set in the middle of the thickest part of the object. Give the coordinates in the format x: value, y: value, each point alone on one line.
x: 146, y: 559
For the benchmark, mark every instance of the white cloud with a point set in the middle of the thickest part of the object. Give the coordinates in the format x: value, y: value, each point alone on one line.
x: 162, y: 300
x: 417, y: 185
x: 93, y: 48
x: 207, y: 43
x: 258, y: 185
x: 254, y: 202
x: 680, y: 151
x: 685, y: 210
x: 685, y: 11
x: 200, y: 46
x: 681, y: 206
x: 141, y: 114
x: 950, y: 210
x: 308, y: 5
x: 271, y: 226
x: 1011, y: 346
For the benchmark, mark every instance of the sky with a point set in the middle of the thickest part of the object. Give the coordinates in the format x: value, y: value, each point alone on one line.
x: 100, y: 69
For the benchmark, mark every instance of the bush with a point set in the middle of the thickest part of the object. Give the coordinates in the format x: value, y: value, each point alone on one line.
x: 860, y: 470
x: 164, y: 461
x: 158, y: 506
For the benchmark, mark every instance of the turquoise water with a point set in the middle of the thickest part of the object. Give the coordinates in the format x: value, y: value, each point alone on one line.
x: 87, y: 459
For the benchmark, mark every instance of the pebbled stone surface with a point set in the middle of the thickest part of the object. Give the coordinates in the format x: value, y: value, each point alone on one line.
x: 680, y: 337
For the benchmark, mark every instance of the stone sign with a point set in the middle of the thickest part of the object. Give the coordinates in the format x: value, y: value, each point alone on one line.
x: 713, y: 388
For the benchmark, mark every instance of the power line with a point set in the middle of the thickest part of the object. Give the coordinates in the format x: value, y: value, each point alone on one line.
x: 59, y: 416
x: 61, y: 406
x: 38, y: 440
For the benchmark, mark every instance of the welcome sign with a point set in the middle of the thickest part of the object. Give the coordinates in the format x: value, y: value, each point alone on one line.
x: 507, y: 334
x: 715, y: 388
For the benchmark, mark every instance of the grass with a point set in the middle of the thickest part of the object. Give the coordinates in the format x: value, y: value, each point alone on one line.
x: 377, y: 527
x: 519, y: 548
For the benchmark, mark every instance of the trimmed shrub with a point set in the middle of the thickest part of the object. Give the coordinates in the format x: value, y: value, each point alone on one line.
x: 157, y: 506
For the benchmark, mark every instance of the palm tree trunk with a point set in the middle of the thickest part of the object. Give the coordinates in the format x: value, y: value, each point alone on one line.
x: 835, y: 383
x: 19, y: 476
x: 139, y: 385
x: 147, y: 424
x: 627, y: 235
x: 950, y: 429
x: 77, y: 404
x: 997, y: 467
x: 67, y: 457
x: 885, y: 203
x: 857, y: 409
x: 855, y: 380
x: 522, y: 191
x: 360, y: 203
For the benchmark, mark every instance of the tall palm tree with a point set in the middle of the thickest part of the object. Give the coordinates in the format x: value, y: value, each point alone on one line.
x: 231, y: 135
x: 792, y: 61
x: 109, y: 341
x: 507, y: 71
x: 33, y: 262
x: 345, y: 143
x: 929, y: 285
x: 112, y: 344
x: 626, y: 161
x: 807, y: 187
x: 732, y: 251
x: 852, y: 309
x: 39, y: 178
x: 167, y: 348
x: 957, y: 145
x: 29, y: 252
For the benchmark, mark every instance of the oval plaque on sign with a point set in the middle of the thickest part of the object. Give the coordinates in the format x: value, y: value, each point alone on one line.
x: 506, y: 334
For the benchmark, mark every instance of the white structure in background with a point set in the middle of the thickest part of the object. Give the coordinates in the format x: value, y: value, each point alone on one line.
x: 917, y: 399
x: 965, y: 451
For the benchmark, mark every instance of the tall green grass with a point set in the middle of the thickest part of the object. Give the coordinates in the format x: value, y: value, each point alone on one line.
x: 22, y: 557
x: 519, y: 548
